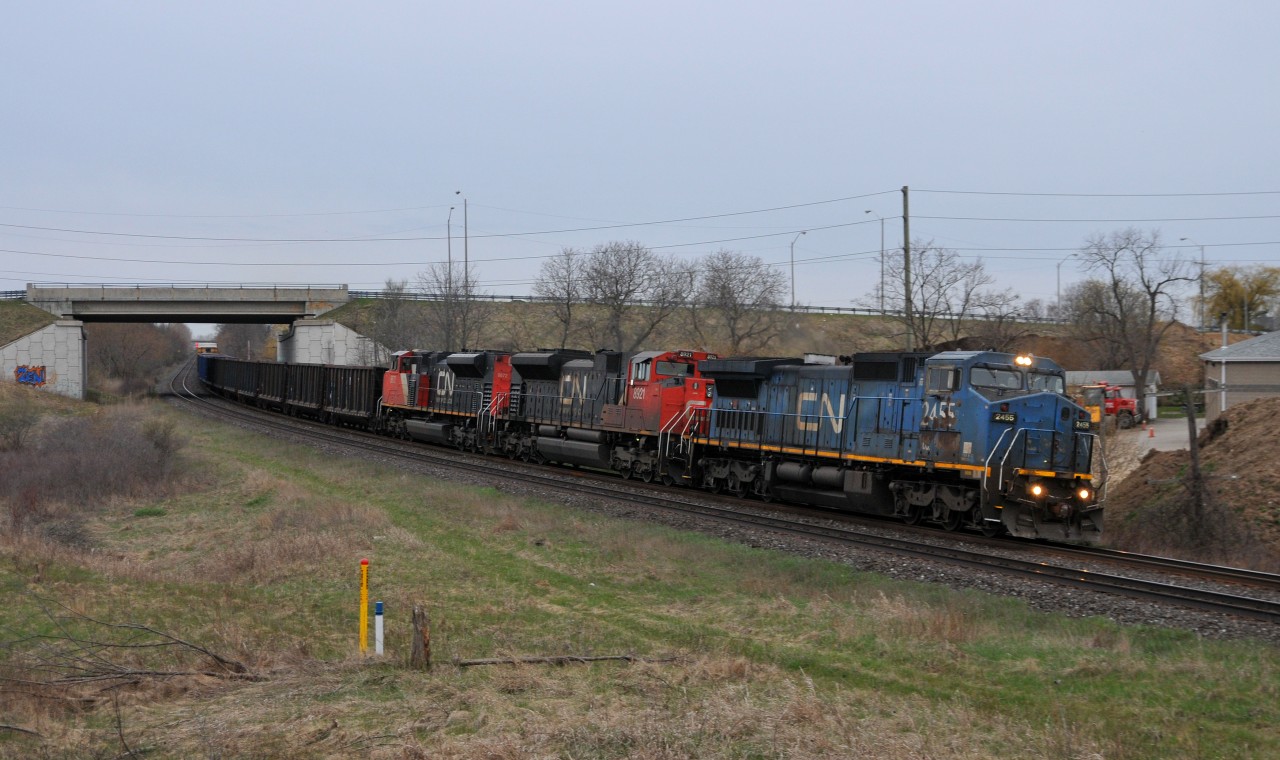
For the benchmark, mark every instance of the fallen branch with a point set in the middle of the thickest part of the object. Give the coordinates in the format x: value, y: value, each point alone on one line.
x: 566, y: 659
x: 18, y: 729
x: 119, y: 655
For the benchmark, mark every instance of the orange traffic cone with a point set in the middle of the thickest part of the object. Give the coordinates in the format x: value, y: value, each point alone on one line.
x: 1151, y: 432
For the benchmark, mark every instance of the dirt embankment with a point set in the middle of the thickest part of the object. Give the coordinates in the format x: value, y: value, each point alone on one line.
x: 1236, y: 520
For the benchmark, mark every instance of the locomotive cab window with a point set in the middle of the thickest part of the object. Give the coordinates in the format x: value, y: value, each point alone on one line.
x: 995, y: 377
x: 1038, y: 381
x: 942, y: 380
x: 672, y: 369
x: 640, y: 372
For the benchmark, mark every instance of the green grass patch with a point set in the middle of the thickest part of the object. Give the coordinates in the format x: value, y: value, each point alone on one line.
x: 258, y: 559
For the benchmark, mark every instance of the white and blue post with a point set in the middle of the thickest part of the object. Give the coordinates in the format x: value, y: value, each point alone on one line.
x: 377, y: 628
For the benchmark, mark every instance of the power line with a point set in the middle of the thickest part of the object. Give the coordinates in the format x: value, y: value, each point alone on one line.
x: 410, y: 239
x: 1103, y: 221
x: 220, y: 216
x: 1099, y: 195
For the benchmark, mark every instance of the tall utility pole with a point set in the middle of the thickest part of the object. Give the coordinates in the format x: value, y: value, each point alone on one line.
x: 906, y: 265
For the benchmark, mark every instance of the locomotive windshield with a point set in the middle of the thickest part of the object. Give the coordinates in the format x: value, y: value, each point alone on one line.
x: 995, y: 377
x: 1039, y: 381
x: 672, y: 369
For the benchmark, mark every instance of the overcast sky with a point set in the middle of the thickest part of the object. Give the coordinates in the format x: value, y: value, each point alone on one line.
x: 156, y: 142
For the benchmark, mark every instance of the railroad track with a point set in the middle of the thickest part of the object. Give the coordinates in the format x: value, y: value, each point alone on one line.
x: 653, y: 498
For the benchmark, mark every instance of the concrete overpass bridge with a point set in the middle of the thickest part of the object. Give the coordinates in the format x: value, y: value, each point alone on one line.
x: 54, y: 357
x: 170, y: 303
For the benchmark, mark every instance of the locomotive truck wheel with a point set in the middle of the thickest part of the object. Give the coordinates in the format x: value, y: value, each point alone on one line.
x: 953, y: 520
x: 990, y: 529
x: 736, y: 486
x: 647, y: 475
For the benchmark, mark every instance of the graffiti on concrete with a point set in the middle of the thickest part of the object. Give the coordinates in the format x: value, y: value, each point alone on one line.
x: 30, y: 374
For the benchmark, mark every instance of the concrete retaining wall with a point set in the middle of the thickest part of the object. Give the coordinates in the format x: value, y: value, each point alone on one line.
x: 323, y: 341
x: 52, y: 358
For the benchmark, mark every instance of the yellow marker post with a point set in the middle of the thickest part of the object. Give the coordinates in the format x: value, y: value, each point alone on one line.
x: 364, y: 606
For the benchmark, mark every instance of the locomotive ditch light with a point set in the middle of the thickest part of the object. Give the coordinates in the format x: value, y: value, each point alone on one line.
x: 1083, y: 493
x: 1037, y: 490
x: 1022, y: 360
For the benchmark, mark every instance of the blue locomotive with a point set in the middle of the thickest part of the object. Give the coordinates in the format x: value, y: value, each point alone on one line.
x: 966, y: 439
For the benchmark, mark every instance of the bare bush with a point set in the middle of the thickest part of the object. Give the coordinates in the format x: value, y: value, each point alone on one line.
x: 79, y: 464
x: 18, y: 417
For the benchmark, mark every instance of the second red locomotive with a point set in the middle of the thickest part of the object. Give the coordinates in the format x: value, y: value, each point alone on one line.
x: 605, y: 410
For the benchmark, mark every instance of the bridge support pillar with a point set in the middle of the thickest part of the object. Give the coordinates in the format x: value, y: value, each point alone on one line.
x: 51, y: 358
x: 324, y: 341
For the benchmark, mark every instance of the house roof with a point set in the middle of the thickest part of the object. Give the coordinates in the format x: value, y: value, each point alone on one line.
x: 1120, y: 377
x: 1264, y: 348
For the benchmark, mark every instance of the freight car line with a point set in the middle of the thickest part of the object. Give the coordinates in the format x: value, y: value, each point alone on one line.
x: 1221, y: 603
x: 979, y: 440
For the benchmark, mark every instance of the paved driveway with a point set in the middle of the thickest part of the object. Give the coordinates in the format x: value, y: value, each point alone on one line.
x: 1164, y: 434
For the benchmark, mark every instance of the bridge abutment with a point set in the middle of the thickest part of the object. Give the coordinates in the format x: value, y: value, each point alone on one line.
x: 51, y: 358
x: 324, y: 341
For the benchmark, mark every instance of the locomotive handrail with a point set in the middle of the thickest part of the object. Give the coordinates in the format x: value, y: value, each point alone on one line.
x: 986, y: 469
x: 1009, y: 451
x: 687, y: 415
x: 487, y: 416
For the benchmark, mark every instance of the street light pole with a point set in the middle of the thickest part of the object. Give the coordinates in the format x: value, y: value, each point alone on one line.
x: 448, y: 277
x: 1185, y: 239
x: 793, y: 268
x: 1058, y: 299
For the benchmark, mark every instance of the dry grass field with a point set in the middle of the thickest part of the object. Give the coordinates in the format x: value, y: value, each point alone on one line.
x: 199, y: 599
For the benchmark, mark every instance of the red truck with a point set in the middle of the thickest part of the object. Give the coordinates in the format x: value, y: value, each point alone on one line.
x: 1101, y: 398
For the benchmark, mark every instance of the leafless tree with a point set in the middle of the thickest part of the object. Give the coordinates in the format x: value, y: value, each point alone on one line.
x: 560, y: 283
x: 946, y: 295
x: 453, y: 314
x: 636, y: 291
x: 1086, y: 307
x: 247, y: 341
x: 742, y: 294
x: 1137, y: 304
x: 1000, y: 322
x: 395, y: 322
x: 131, y: 356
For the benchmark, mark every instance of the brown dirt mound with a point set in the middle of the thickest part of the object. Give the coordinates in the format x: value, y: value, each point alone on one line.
x: 1154, y: 508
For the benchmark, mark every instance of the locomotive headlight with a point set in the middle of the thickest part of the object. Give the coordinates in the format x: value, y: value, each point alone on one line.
x: 1037, y: 490
x: 1083, y: 493
x: 1022, y: 360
